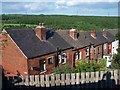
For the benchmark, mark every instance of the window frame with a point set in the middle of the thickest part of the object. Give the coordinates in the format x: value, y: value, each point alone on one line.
x: 78, y: 55
x: 49, y: 58
x: 87, y: 53
x: 44, y: 66
x: 65, y: 58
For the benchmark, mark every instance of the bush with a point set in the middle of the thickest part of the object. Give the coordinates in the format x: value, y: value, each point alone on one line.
x: 84, y: 66
x: 116, y: 61
x: 63, y: 69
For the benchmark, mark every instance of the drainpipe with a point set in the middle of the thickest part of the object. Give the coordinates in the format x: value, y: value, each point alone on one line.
x: 58, y: 50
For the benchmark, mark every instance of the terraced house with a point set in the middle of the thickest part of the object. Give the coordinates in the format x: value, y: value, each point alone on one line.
x: 39, y: 50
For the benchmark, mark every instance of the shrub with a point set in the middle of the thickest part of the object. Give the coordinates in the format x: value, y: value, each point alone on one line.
x: 63, y: 69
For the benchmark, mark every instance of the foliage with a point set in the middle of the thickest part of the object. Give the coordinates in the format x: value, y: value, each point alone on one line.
x: 116, y: 57
x: 61, y: 21
x: 116, y: 61
x: 84, y: 66
x: 103, y: 62
x: 63, y: 69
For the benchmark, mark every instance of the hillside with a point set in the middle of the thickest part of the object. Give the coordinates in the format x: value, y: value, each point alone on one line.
x: 59, y: 21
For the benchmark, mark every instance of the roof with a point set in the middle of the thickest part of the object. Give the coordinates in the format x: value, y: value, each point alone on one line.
x: 110, y: 37
x: 32, y: 46
x: 81, y: 41
x: 92, y: 40
x: 112, y: 31
x: 100, y: 39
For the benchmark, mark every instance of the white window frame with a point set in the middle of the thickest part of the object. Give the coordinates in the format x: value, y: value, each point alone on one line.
x: 59, y: 58
x: 76, y: 55
x: 80, y: 55
x: 87, y: 53
x: 105, y: 46
x: 65, y: 58
x: 44, y: 67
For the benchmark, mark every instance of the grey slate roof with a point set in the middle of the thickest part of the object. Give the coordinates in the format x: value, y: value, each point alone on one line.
x: 110, y: 37
x: 32, y: 46
x: 92, y: 40
x: 112, y: 31
x: 81, y: 42
x: 99, y: 38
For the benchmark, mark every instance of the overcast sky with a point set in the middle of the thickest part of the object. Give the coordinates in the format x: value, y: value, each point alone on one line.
x: 64, y: 7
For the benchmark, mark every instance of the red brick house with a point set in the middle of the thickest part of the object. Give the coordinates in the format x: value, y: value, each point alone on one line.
x: 33, y: 51
x: 39, y: 50
x: 81, y: 44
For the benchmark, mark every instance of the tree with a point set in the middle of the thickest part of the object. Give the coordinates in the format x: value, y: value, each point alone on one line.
x: 116, y: 57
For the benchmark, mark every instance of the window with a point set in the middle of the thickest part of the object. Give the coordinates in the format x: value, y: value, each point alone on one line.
x: 105, y: 46
x: 42, y: 65
x: 63, y: 57
x: 78, y: 56
x: 50, y: 60
x: 59, y: 58
x: 87, y: 52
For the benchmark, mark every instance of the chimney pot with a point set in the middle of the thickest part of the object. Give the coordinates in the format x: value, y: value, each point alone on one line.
x: 93, y: 33
x: 73, y: 33
x: 105, y: 34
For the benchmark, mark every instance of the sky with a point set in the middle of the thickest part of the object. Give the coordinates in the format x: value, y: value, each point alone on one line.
x: 61, y: 7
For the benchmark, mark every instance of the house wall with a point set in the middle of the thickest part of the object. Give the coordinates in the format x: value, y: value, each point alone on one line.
x: 105, y: 51
x: 115, y: 46
x: 49, y: 67
x: 110, y: 48
x: 83, y: 55
x: 97, y: 54
x: 12, y: 58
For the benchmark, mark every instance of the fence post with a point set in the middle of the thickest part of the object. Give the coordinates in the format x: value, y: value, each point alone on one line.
x: 68, y: 79
x: 96, y: 79
x: 92, y: 79
x: 26, y: 80
x: 63, y: 79
x: 87, y: 79
x: 52, y: 80
x: 119, y: 77
x: 32, y: 80
x: 116, y: 76
x: 77, y: 78
x: 42, y: 81
x: 37, y: 82
x: 72, y: 78
x: 57, y: 81
x: 82, y: 79
x: 47, y: 82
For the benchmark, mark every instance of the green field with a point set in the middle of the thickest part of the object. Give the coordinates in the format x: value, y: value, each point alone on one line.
x: 59, y: 21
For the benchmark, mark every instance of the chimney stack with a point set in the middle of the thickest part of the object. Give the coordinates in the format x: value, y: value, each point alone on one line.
x: 104, y: 34
x: 73, y: 33
x: 93, y: 33
x: 41, y: 31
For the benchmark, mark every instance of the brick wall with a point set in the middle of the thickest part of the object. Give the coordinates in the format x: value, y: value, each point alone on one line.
x: 49, y: 67
x: 12, y: 58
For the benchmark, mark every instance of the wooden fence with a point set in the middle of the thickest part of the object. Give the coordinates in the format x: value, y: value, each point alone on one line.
x: 84, y: 79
